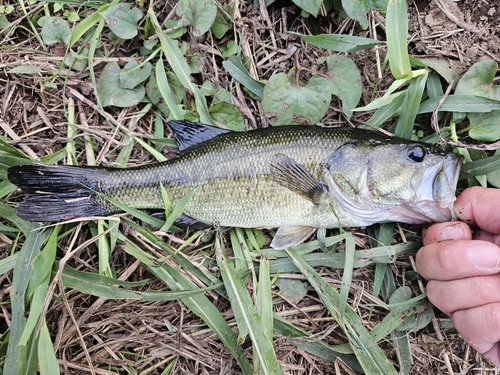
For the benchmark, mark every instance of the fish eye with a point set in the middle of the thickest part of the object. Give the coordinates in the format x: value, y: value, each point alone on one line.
x: 416, y: 153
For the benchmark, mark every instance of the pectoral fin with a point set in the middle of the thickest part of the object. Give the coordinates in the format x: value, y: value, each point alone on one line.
x: 290, y: 174
x: 291, y: 236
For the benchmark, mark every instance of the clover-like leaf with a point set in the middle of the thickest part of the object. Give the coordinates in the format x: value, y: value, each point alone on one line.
x: 131, y: 75
x: 198, y: 13
x: 122, y: 20
x: 56, y: 30
x: 344, y: 81
x: 310, y: 6
x: 112, y: 93
x: 293, y: 289
x: 479, y: 81
x: 484, y: 126
x: 227, y: 115
x: 358, y: 9
x: 286, y: 103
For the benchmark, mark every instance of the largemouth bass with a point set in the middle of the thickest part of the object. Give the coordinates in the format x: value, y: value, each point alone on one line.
x: 295, y: 178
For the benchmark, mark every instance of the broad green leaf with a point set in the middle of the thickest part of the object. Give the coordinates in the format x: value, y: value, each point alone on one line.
x: 112, y: 93
x: 221, y: 24
x: 397, y: 35
x: 25, y: 69
x: 228, y: 116
x: 310, y: 6
x: 200, y: 14
x: 345, y: 81
x: 292, y: 289
x: 56, y: 30
x: 339, y: 42
x: 479, y: 81
x: 484, y: 126
x: 287, y: 103
x: 132, y: 75
x: 122, y: 20
x: 358, y: 9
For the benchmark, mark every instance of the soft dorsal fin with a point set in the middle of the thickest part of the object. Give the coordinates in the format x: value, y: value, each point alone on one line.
x: 189, y: 134
x: 290, y: 174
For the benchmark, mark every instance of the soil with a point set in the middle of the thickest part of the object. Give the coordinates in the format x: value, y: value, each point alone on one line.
x: 89, y: 332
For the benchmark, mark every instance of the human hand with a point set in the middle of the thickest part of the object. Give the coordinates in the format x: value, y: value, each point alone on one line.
x: 463, y: 269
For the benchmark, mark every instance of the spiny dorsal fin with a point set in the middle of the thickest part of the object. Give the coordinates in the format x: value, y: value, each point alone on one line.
x: 290, y: 174
x: 189, y: 134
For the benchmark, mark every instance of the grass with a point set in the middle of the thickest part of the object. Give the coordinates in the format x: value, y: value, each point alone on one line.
x: 114, y: 296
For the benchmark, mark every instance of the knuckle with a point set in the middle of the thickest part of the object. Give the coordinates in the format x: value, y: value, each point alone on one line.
x: 494, y: 316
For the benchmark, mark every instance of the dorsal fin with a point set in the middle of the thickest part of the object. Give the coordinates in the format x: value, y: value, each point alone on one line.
x: 189, y: 134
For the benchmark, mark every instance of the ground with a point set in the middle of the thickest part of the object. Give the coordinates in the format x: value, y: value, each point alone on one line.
x: 106, y: 336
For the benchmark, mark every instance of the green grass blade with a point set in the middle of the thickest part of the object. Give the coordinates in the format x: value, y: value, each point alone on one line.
x: 350, y: 251
x: 480, y: 167
x: 397, y: 34
x: 369, y: 354
x: 46, y: 355
x: 111, y: 288
x: 264, y: 303
x: 339, y: 42
x: 459, y: 103
x: 383, y: 234
x: 181, y: 69
x: 86, y: 24
x: 17, y: 355
x: 198, y: 304
x: 165, y: 91
x: 411, y: 105
x: 8, y: 263
x: 265, y: 299
x: 362, y: 258
x: 247, y: 316
x: 242, y: 75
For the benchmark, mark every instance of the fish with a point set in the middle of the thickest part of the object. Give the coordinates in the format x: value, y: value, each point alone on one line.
x: 297, y: 179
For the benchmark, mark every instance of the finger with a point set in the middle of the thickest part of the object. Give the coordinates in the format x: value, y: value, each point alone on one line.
x: 450, y: 260
x: 480, y: 327
x: 462, y: 294
x: 479, y: 206
x: 447, y: 231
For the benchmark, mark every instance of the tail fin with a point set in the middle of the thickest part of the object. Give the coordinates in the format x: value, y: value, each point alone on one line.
x: 58, y: 193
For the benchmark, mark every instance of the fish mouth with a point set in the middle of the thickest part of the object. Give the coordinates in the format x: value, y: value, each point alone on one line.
x: 444, y: 188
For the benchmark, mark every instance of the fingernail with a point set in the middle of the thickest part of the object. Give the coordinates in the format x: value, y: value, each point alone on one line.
x: 452, y: 232
x: 484, y: 255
